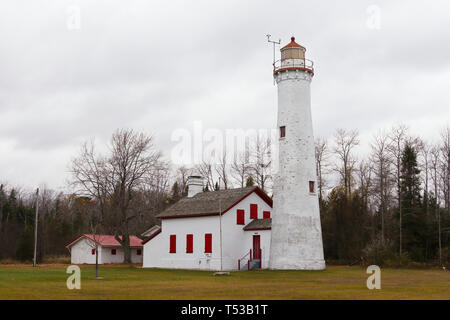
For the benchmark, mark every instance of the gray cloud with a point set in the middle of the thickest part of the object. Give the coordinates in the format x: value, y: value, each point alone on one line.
x: 157, y: 66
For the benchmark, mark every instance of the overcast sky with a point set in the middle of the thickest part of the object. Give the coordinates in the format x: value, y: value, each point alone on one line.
x: 156, y: 66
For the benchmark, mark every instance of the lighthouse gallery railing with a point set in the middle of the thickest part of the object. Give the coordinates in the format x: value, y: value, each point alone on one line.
x: 293, y: 64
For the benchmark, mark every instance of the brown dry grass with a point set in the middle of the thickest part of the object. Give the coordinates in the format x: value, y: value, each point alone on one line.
x: 125, y: 282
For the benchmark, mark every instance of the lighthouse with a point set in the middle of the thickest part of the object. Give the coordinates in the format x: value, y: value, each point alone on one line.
x: 296, y: 240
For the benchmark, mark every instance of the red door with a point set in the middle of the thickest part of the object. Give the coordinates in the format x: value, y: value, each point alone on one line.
x: 256, y: 247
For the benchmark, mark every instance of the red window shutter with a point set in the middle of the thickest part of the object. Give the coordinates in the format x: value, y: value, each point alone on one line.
x: 113, y: 252
x: 240, y: 216
x: 173, y: 243
x: 189, y: 243
x: 93, y: 251
x: 266, y: 214
x: 139, y: 252
x: 253, y: 211
x: 208, y: 243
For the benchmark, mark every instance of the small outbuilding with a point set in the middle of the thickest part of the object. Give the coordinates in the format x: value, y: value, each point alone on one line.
x: 82, y: 249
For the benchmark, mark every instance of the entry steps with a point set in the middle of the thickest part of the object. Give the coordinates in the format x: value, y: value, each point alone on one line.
x: 255, y: 264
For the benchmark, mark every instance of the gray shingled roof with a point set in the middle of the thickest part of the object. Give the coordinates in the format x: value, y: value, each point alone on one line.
x: 258, y: 224
x: 151, y: 231
x: 207, y: 203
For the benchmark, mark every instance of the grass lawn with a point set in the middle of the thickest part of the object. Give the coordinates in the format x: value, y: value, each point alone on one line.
x: 125, y: 282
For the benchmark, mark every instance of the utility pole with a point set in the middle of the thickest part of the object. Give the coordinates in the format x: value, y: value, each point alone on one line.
x: 36, y: 227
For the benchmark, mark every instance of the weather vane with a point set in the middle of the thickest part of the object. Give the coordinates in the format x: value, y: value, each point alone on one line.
x: 274, y: 44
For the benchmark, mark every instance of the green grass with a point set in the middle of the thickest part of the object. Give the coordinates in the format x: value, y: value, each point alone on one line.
x: 125, y: 282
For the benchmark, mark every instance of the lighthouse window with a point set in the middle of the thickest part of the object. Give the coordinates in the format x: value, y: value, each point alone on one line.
x: 282, y: 132
x: 311, y: 187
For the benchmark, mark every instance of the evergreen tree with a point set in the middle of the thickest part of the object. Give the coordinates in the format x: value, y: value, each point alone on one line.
x: 249, y: 182
x: 176, y: 192
x: 344, y: 224
x: 414, y: 222
x: 25, y: 247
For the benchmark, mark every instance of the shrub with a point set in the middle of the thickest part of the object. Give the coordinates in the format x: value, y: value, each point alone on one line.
x: 397, y: 261
x: 445, y: 256
x: 57, y: 260
x: 379, y: 252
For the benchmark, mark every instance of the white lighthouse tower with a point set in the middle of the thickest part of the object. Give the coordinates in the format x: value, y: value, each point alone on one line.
x: 296, y: 241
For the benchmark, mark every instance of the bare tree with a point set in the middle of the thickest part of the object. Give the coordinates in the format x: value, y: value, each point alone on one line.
x: 434, y: 167
x: 113, y: 180
x: 424, y: 151
x: 261, y: 161
x: 322, y: 163
x: 364, y: 173
x: 345, y: 141
x: 240, y: 168
x: 222, y: 170
x: 90, y: 176
x: 445, y: 166
x: 397, y: 139
x: 151, y: 198
x: 182, y: 175
x: 382, y: 185
x: 207, y: 170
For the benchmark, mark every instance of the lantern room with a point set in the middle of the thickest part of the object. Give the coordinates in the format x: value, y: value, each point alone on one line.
x: 293, y: 58
x: 293, y: 51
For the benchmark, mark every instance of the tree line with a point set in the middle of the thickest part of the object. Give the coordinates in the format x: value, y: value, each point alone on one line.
x: 390, y: 206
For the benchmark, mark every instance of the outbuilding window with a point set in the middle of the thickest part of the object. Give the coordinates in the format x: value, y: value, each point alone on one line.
x: 173, y: 243
x: 113, y: 252
x: 208, y: 243
x: 189, y: 243
x: 139, y: 252
x: 93, y: 251
x: 253, y: 211
x: 266, y: 214
x: 240, y: 216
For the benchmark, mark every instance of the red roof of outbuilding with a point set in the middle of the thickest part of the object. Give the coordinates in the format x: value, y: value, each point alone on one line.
x: 293, y: 44
x: 105, y: 240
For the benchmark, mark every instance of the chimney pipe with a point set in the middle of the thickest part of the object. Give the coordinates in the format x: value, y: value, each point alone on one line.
x: 195, y: 185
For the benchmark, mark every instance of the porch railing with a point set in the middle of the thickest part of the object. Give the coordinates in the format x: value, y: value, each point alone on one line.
x: 247, y: 256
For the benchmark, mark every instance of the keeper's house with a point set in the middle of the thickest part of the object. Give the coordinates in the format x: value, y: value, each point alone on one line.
x: 82, y: 249
x: 215, y: 230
